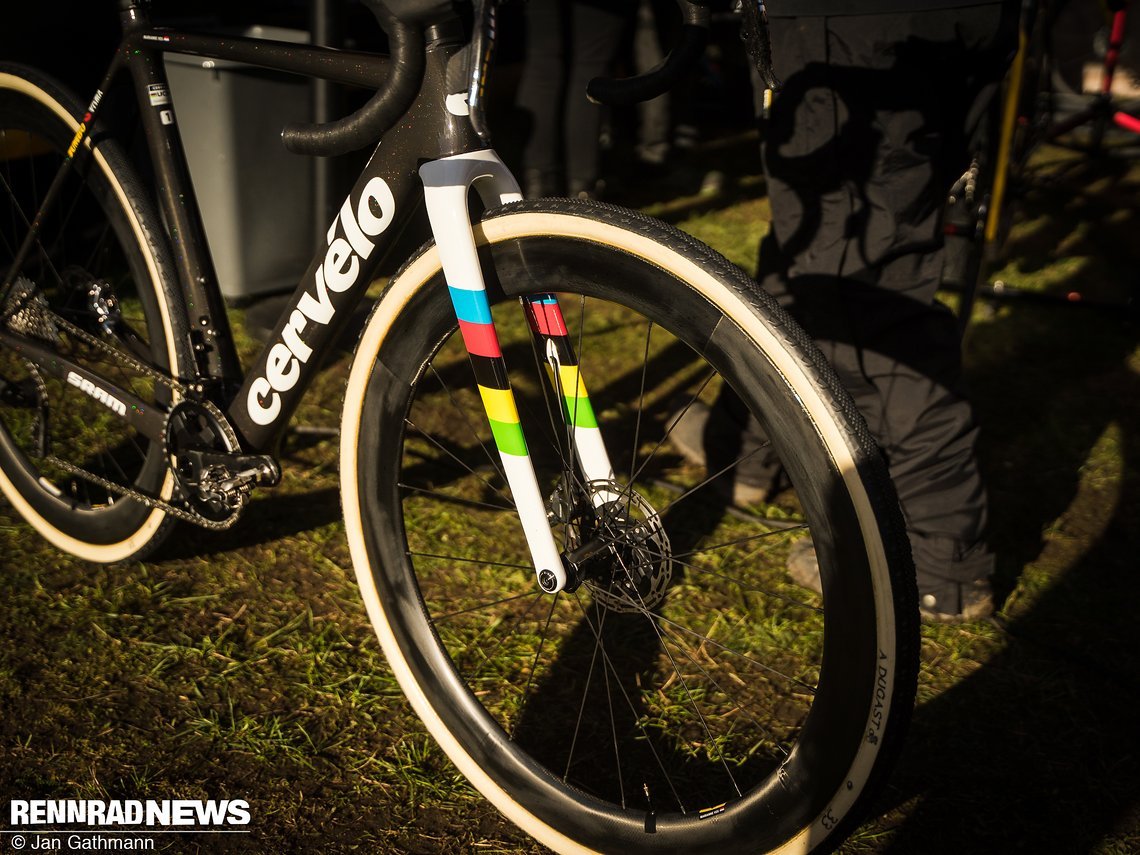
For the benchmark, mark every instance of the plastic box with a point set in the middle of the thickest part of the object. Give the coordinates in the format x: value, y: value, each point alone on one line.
x: 255, y: 197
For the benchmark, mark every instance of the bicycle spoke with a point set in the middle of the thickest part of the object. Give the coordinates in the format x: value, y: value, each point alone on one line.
x: 755, y: 722
x: 481, y: 562
x: 740, y: 541
x: 438, y: 444
x: 482, y: 606
x: 684, y: 683
x: 463, y: 414
x: 537, y: 657
x: 649, y: 742
x: 653, y: 452
x: 582, y: 710
x: 459, y: 500
x: 745, y: 657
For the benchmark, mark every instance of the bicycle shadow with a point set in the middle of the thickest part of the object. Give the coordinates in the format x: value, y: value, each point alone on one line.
x: 265, y: 520
x: 1066, y: 191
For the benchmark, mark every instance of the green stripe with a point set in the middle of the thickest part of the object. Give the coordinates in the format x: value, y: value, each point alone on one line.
x: 581, y: 412
x: 509, y: 438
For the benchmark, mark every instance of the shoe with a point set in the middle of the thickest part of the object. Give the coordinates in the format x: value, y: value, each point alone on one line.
x: 803, y: 565
x: 690, y: 433
x: 939, y: 600
x: 947, y: 601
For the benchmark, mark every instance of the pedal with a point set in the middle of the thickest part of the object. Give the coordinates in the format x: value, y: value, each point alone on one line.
x: 215, y: 477
x: 220, y: 482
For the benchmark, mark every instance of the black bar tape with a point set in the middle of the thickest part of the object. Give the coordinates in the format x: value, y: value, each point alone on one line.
x: 364, y: 127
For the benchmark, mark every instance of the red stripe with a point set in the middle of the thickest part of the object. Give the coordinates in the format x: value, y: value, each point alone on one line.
x: 1129, y: 123
x: 480, y: 339
x: 546, y: 318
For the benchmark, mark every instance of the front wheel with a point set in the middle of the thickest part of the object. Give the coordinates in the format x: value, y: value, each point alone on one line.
x: 688, y: 697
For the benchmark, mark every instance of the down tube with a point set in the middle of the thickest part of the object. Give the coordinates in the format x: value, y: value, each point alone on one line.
x: 364, y: 230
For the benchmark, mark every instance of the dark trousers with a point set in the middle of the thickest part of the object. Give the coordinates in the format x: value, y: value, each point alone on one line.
x: 861, y: 147
x: 568, y: 43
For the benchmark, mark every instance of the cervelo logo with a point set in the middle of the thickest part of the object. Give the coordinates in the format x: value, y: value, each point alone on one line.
x: 339, y: 272
x: 101, y: 395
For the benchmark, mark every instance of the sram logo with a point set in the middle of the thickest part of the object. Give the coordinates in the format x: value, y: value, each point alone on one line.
x: 339, y: 272
x: 101, y: 395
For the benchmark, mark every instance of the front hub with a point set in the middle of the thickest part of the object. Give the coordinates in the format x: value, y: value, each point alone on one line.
x: 618, y: 548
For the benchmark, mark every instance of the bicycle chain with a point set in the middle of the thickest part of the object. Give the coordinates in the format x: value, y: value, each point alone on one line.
x: 150, y: 501
x: 121, y: 355
x: 141, y: 367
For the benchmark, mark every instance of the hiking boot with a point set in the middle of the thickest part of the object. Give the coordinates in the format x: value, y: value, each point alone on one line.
x: 700, y: 427
x: 939, y: 600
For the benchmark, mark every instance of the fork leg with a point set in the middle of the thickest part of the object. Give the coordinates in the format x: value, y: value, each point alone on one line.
x: 447, y: 182
x: 549, y: 330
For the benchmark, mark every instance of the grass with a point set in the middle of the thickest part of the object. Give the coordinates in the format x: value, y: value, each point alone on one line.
x: 242, y: 664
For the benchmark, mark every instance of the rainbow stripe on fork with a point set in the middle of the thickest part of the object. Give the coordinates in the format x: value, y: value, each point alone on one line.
x: 546, y: 321
x: 474, y: 315
x: 545, y: 318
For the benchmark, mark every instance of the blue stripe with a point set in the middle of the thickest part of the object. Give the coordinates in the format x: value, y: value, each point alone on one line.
x: 542, y: 300
x: 470, y: 306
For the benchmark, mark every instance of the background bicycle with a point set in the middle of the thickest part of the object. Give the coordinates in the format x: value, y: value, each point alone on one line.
x: 1073, y: 83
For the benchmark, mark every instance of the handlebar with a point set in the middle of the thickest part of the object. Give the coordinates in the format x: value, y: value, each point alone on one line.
x: 405, y: 36
x: 666, y: 74
x: 368, y: 124
x: 685, y: 55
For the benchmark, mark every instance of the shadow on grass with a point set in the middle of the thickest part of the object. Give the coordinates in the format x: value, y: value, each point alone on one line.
x: 1039, y: 749
x: 268, y: 518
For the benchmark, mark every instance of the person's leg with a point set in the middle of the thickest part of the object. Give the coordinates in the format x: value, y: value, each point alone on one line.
x: 652, y: 37
x: 596, y: 32
x: 859, y: 151
x: 540, y: 96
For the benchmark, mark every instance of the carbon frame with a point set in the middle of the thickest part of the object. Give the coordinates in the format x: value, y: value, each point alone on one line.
x: 370, y: 220
x: 434, y: 154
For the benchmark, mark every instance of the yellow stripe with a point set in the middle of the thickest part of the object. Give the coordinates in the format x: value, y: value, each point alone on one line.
x: 571, y: 378
x: 500, y: 404
x: 75, y: 142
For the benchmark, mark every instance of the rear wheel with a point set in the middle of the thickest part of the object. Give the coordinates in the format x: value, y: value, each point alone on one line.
x: 96, y: 267
x: 688, y: 697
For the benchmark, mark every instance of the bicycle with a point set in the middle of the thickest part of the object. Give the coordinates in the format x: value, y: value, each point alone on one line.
x: 666, y: 688
x: 1059, y: 91
x: 1051, y: 97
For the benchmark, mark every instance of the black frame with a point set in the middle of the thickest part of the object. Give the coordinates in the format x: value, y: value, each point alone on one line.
x: 381, y: 203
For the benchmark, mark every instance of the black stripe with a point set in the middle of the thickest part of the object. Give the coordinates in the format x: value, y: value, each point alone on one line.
x: 490, y: 371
